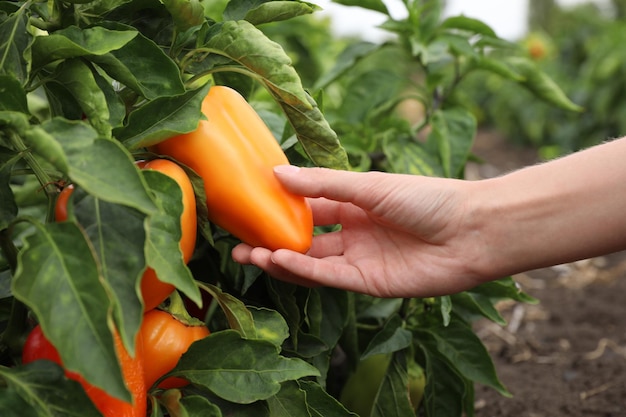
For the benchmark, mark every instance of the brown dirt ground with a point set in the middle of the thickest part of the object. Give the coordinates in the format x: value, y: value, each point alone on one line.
x: 566, y: 355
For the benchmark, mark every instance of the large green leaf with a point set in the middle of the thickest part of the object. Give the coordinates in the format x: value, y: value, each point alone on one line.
x: 445, y: 388
x: 185, y: 13
x: 73, y: 42
x: 407, y: 156
x: 391, y: 338
x: 58, y: 278
x: 289, y: 401
x: 134, y: 65
x: 541, y: 84
x: 453, y: 132
x: 162, y: 118
x: 117, y: 236
x: 41, y: 389
x: 317, y: 138
x: 247, y: 371
x: 269, y: 325
x: 13, y: 97
x: 238, y: 316
x: 468, y: 24
x: 14, y: 40
x: 76, y: 78
x: 320, y: 403
x: 103, y: 167
x: 464, y: 351
x: 248, y: 46
x: 163, y: 251
x: 392, y: 398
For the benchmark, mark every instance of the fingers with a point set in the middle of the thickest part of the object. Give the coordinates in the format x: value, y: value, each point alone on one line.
x: 305, y: 270
x: 302, y: 269
x: 338, y: 185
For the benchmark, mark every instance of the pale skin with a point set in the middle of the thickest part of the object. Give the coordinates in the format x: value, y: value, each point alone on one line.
x: 414, y: 236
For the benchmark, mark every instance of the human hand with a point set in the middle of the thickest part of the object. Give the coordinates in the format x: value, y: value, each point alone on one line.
x: 401, y: 235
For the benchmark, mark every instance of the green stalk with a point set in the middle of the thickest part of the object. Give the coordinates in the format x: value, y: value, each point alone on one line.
x: 47, y: 184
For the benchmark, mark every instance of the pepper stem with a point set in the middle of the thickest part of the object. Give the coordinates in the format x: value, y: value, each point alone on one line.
x: 176, y: 308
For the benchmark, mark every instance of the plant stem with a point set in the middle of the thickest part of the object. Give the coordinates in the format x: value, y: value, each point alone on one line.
x: 44, y: 179
x: 177, y: 309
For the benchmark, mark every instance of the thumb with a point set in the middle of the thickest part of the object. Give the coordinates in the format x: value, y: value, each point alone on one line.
x: 338, y: 185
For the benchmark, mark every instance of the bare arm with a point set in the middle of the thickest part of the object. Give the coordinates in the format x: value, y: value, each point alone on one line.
x: 564, y: 210
x: 419, y: 236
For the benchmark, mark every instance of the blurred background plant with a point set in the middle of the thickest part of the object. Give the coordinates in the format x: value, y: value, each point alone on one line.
x: 580, y: 47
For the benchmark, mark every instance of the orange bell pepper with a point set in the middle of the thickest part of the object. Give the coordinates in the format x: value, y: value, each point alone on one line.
x: 234, y: 152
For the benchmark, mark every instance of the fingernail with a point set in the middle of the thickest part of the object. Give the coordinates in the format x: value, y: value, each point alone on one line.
x: 286, y: 169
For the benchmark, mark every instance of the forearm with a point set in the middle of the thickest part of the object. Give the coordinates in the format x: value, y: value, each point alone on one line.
x: 561, y: 211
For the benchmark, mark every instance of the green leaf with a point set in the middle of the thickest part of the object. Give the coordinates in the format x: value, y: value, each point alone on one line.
x: 245, y: 44
x: 58, y: 278
x: 41, y: 389
x: 12, y: 405
x: 289, y: 401
x: 445, y: 388
x: 541, y: 85
x: 274, y: 11
x: 247, y: 371
x: 453, y: 132
x: 269, y: 325
x: 186, y: 13
x: 320, y: 403
x: 163, y: 251
x: 115, y: 105
x: 284, y: 297
x: 76, y: 78
x: 504, y: 288
x: 468, y: 24
x: 238, y: 316
x: 197, y: 406
x: 393, y: 398
x: 391, y: 338
x: 12, y: 95
x: 14, y: 120
x: 102, y: 167
x: 477, y: 304
x: 317, y: 138
x: 497, y: 67
x: 188, y: 405
x: 407, y: 156
x: 249, y: 47
x: 14, y: 40
x: 117, y: 236
x: 74, y: 42
x: 375, y: 5
x: 361, y: 389
x: 335, y: 310
x: 347, y: 59
x: 464, y: 351
x: 134, y: 65
x: 258, y: 12
x: 368, y: 92
x: 162, y: 118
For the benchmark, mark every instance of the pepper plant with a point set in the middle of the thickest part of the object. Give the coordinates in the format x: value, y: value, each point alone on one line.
x: 88, y: 87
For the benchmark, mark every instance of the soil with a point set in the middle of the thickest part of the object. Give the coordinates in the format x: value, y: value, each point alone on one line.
x: 565, y: 355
